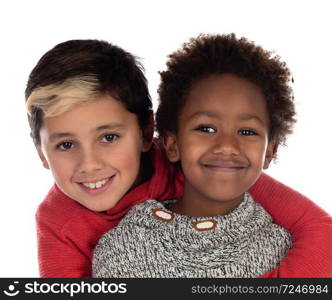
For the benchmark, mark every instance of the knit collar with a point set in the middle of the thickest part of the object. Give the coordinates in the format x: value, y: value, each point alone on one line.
x: 240, y: 214
x: 247, y: 217
x: 227, y: 241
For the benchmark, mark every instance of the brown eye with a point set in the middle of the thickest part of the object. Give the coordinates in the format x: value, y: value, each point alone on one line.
x: 247, y: 132
x: 207, y: 129
x: 65, y: 146
x: 108, y: 138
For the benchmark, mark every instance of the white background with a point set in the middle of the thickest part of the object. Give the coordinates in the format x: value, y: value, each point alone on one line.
x: 299, y: 31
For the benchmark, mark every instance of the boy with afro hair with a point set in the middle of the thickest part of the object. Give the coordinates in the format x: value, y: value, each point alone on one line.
x: 225, y: 107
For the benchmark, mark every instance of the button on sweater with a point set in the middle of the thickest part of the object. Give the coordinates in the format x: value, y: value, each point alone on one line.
x: 151, y: 241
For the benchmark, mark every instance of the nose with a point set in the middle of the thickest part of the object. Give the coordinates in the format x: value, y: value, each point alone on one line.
x: 226, y: 144
x: 90, y: 161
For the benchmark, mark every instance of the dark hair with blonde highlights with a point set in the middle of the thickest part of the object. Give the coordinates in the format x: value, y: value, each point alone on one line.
x: 84, y: 69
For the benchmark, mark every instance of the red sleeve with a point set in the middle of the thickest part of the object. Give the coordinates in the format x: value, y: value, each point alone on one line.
x: 58, y: 256
x: 310, y: 227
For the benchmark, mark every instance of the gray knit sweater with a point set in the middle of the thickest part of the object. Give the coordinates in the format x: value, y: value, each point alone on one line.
x: 152, y: 241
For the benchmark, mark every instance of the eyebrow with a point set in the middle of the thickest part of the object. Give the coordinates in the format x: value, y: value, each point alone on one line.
x: 56, y: 136
x: 114, y: 126
x: 60, y: 135
x: 246, y: 117
x: 206, y: 114
x: 211, y: 114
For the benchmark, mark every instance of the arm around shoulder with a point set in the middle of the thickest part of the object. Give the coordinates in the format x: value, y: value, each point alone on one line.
x: 309, y: 225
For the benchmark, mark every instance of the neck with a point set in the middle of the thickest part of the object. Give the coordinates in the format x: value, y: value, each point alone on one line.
x: 199, y: 206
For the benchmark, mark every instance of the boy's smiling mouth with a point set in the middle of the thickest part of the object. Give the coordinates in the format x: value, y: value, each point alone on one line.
x: 224, y: 166
x: 96, y: 186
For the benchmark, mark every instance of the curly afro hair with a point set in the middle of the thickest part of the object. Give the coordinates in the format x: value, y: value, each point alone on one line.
x: 217, y: 54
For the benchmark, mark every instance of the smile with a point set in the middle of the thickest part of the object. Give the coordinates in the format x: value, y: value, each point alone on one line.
x: 224, y: 168
x: 98, y: 186
x: 95, y: 185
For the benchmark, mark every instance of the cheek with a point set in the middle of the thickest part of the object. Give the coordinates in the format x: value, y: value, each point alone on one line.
x: 62, y: 169
x: 125, y: 159
x: 256, y: 154
x: 128, y: 156
x: 191, y: 151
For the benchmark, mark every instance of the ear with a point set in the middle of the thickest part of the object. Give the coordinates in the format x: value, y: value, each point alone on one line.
x: 270, y: 154
x: 170, y: 144
x: 147, y: 134
x: 42, y: 157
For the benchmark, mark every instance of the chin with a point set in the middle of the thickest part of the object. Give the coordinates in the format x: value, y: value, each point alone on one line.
x: 103, y: 206
x: 222, y: 197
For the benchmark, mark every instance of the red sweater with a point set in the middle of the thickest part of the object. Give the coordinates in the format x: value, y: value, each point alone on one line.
x: 68, y: 232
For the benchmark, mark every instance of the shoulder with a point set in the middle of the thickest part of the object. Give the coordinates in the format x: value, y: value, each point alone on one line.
x: 279, y: 199
x: 267, y: 185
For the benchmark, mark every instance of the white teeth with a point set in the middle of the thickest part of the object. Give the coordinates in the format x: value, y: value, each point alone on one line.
x: 98, y: 184
x: 95, y: 185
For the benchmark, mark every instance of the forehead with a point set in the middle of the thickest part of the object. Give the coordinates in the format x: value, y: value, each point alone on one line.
x: 226, y: 95
x: 89, y: 116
